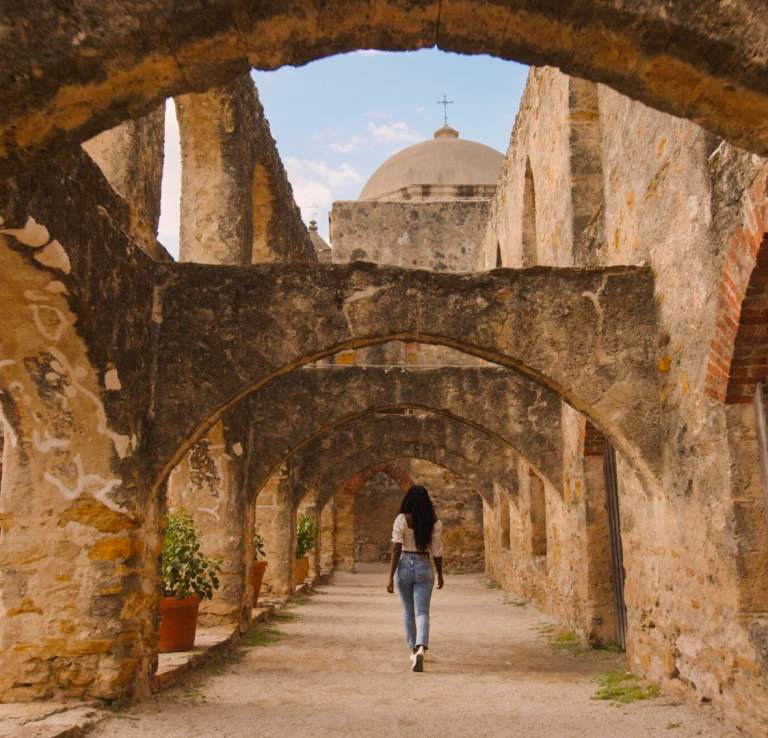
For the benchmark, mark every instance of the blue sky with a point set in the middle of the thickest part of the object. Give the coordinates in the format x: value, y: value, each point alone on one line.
x: 336, y: 120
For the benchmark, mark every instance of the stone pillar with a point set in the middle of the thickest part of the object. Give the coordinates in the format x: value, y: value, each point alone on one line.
x: 327, y: 537
x: 276, y: 522
x: 309, y: 506
x: 131, y: 158
x: 208, y: 483
x: 344, y: 555
x: 237, y: 205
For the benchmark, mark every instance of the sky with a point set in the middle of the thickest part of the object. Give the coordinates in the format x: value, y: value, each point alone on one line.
x: 337, y: 119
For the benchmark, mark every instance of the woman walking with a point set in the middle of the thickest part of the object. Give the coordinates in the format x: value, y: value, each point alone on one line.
x: 415, y: 534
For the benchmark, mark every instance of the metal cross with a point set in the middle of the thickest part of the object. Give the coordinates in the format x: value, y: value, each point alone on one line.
x: 445, y: 102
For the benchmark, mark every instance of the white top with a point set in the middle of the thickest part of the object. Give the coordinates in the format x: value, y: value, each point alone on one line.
x: 401, y: 533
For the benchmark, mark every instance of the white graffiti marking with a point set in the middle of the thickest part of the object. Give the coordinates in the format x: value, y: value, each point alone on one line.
x: 33, y: 234
x: 51, y: 332
x: 47, y: 442
x: 122, y: 443
x: 84, y: 481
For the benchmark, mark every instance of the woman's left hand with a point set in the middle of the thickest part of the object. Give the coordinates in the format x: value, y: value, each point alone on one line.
x: 391, y: 586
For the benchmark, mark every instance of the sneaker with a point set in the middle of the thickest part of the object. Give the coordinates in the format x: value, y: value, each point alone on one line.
x: 417, y: 660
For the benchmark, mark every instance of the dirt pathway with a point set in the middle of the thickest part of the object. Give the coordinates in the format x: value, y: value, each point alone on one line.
x: 341, y: 669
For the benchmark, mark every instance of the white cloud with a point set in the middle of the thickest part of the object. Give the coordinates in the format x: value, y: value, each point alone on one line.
x: 348, y: 146
x: 333, y: 177
x: 316, y: 184
x: 397, y: 131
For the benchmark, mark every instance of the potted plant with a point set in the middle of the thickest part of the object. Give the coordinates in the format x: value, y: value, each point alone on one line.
x: 188, y: 577
x: 306, y: 535
x: 259, y: 565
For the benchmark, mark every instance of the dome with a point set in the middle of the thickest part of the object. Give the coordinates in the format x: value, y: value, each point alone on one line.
x: 444, y: 161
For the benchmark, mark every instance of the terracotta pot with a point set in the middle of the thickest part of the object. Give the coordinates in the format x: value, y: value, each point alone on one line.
x: 178, y: 623
x: 257, y: 574
x: 300, y: 571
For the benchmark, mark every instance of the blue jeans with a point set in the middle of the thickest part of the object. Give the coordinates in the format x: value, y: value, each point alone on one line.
x: 414, y: 579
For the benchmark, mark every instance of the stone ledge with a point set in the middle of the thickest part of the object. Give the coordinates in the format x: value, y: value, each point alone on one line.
x: 49, y: 720
x: 209, y: 642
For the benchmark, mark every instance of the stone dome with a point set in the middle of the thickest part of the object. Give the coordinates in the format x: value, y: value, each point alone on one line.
x: 445, y: 161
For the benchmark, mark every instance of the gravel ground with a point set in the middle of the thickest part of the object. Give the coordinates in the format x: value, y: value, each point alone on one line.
x: 340, y: 668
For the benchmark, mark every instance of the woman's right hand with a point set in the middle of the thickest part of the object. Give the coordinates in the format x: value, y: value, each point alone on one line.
x: 391, y: 586
x: 440, y: 581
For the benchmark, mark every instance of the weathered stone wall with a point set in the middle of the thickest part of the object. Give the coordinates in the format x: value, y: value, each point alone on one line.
x: 131, y: 157
x: 440, y: 236
x: 376, y: 505
x: 460, y: 508
x: 673, y: 196
x: 237, y: 205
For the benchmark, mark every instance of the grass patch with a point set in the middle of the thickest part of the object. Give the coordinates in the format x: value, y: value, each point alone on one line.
x: 608, y: 647
x: 567, y: 640
x: 284, y: 617
x: 490, y: 584
x: 263, y: 635
x: 672, y: 725
x: 624, y: 687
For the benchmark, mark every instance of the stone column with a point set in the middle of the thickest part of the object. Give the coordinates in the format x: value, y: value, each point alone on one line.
x: 327, y: 537
x: 237, y: 205
x: 276, y: 522
x: 131, y: 158
x: 208, y: 483
x: 309, y: 507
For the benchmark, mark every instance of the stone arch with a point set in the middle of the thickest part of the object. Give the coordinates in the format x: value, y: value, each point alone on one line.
x: 600, y: 316
x: 530, y: 254
x: 468, y: 452
x: 299, y: 406
x: 731, y: 371
x: 389, y: 468
x: 50, y: 98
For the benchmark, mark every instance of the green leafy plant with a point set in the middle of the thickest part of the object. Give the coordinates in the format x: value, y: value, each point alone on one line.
x: 258, y: 547
x: 186, y: 570
x: 306, y: 535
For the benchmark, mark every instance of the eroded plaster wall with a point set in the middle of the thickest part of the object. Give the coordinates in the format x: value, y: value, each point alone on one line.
x: 672, y: 197
x: 440, y: 236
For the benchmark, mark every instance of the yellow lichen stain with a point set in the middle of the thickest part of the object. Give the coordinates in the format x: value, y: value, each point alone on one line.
x: 685, y: 387
x: 661, y: 146
x: 62, y: 647
x: 89, y: 511
x: 630, y: 199
x: 63, y: 578
x: 26, y: 607
x: 67, y: 627
x: 112, y: 549
x: 665, y: 363
x: 6, y: 521
x: 617, y: 239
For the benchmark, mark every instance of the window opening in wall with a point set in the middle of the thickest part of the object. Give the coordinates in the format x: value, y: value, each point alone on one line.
x: 617, y: 551
x: 538, y: 513
x: 530, y: 254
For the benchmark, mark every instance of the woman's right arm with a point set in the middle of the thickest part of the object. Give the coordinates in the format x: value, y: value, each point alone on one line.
x: 397, y: 549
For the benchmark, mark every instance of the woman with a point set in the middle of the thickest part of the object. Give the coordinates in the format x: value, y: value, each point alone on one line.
x: 415, y: 534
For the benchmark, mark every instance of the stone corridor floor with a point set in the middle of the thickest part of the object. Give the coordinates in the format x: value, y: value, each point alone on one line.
x: 340, y: 668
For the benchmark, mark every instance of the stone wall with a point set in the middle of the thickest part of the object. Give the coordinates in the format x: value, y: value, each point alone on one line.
x: 672, y: 196
x: 440, y: 236
x: 457, y: 506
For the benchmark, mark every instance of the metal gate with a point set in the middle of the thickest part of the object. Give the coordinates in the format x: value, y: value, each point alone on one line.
x: 617, y: 552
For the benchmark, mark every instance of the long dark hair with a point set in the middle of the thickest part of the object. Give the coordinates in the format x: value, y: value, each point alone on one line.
x: 417, y: 503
